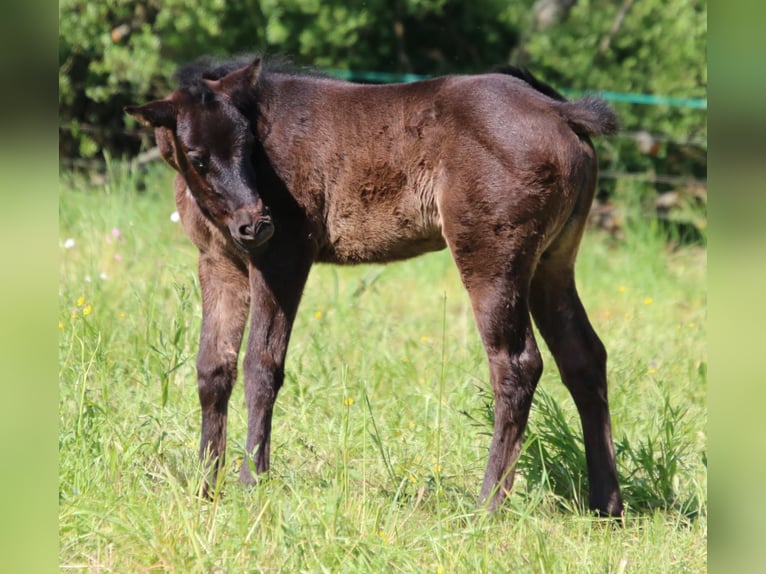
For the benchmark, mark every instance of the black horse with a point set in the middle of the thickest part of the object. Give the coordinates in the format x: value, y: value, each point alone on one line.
x: 278, y: 170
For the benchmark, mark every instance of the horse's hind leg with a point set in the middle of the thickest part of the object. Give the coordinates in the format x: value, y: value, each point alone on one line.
x: 581, y: 359
x: 515, y: 367
x: 225, y: 304
x: 495, y: 262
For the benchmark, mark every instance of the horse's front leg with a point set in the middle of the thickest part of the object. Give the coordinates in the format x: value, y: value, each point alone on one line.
x: 276, y: 286
x: 225, y: 304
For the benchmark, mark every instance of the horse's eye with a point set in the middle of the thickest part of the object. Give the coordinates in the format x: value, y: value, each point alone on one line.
x: 198, y: 163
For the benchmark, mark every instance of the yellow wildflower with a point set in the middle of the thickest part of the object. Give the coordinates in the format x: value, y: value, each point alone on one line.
x: 384, y: 537
x: 648, y: 300
x: 318, y: 315
x: 80, y: 301
x: 87, y: 309
x: 348, y: 401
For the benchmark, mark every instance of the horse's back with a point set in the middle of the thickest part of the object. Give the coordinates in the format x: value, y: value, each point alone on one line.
x: 391, y: 159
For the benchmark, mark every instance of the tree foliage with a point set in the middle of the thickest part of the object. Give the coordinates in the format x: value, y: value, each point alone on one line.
x: 121, y: 52
x: 645, y: 47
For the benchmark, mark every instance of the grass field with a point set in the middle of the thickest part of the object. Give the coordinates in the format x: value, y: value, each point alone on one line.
x: 381, y: 431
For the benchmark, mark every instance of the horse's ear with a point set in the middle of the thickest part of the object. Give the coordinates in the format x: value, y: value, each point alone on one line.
x: 240, y: 82
x: 254, y: 70
x: 157, y: 114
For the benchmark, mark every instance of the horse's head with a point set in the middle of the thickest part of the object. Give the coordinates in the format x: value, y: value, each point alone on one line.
x: 202, y: 133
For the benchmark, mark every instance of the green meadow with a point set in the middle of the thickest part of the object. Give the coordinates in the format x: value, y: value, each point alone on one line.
x: 381, y: 430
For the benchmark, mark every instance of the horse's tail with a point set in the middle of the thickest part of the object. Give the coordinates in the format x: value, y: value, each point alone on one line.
x: 590, y: 115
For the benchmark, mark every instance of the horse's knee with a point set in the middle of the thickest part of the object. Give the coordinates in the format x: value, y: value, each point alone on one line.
x: 584, y: 370
x: 516, y: 377
x: 531, y: 364
x: 263, y: 378
x: 597, y: 351
x: 215, y: 380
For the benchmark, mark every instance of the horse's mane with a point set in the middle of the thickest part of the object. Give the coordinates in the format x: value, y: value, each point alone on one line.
x: 189, y: 77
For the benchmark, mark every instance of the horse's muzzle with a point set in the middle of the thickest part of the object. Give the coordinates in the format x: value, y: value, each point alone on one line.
x: 250, y: 231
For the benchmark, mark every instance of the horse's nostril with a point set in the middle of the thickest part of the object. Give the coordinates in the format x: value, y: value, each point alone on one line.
x: 247, y: 231
x: 250, y: 230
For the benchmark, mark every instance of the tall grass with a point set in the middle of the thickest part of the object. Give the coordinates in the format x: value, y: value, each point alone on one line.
x: 381, y: 430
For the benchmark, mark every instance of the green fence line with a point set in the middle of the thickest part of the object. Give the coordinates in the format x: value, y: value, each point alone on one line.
x: 645, y: 99
x: 379, y: 77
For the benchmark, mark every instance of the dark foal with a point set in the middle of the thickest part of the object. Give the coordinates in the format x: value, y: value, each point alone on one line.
x: 279, y: 170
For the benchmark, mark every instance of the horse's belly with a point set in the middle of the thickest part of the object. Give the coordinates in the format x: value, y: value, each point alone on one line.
x: 381, y: 233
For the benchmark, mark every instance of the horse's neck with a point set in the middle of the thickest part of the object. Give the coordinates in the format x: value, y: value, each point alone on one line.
x: 286, y: 120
